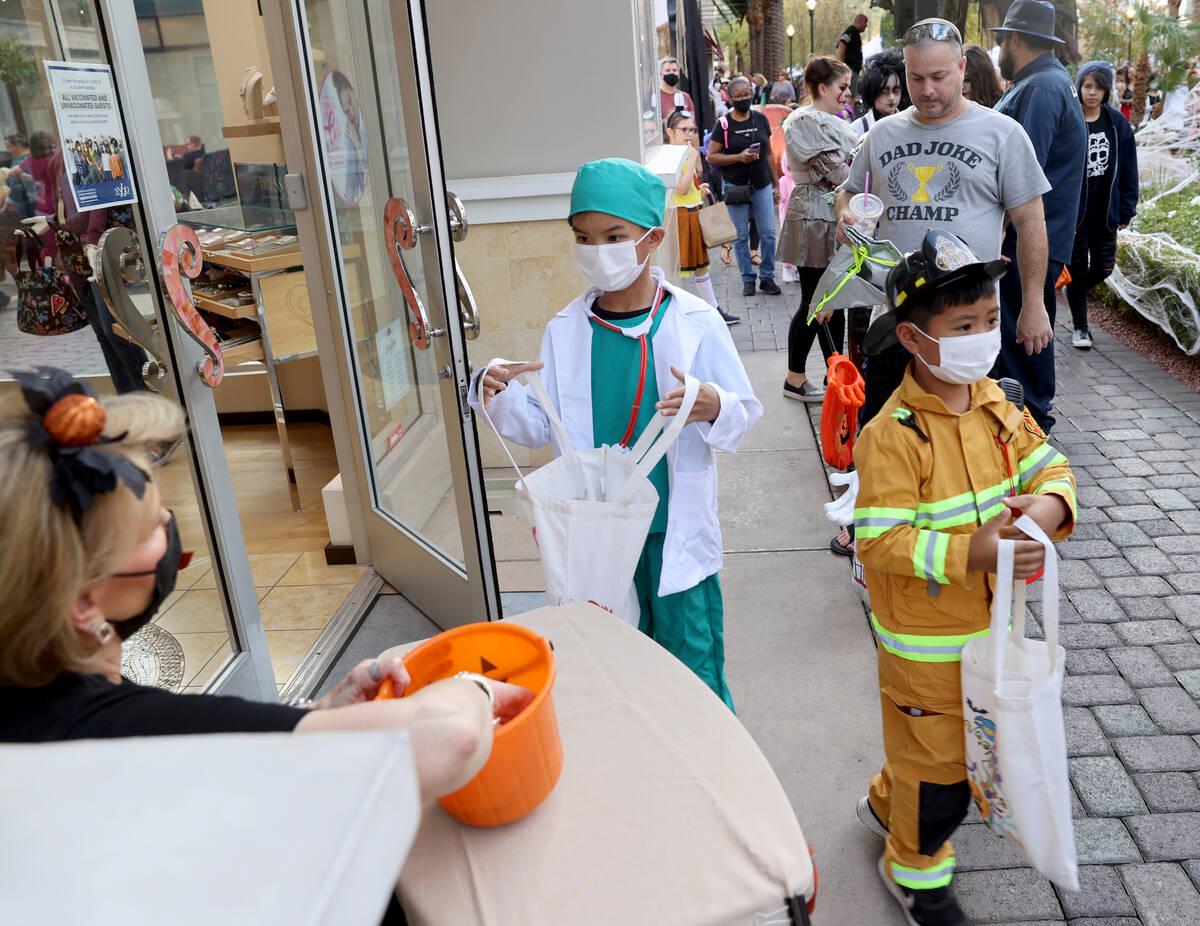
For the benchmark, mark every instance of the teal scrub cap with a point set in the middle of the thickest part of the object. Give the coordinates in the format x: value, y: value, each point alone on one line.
x: 616, y: 186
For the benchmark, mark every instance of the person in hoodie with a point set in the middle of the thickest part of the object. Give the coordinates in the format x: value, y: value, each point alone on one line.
x: 1108, y: 196
x: 613, y: 359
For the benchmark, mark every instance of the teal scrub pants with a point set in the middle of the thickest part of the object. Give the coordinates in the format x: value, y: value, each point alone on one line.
x: 688, y: 624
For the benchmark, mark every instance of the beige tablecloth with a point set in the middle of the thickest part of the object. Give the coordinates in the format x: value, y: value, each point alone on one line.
x: 666, y: 812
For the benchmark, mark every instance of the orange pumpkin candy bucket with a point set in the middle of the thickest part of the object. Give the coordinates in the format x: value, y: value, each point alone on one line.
x: 526, y: 757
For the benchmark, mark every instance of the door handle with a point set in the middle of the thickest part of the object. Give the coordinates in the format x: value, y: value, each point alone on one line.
x: 181, y: 255
x: 400, y: 229
x: 469, y: 308
x: 458, y: 217
x: 120, y: 264
x: 466, y: 302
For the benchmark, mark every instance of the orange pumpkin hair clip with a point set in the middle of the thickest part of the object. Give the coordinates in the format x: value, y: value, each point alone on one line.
x: 71, y: 423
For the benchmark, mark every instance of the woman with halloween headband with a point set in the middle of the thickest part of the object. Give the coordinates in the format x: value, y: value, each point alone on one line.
x: 87, y: 556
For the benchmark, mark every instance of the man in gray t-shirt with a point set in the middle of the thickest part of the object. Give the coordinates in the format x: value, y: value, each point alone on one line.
x: 950, y: 163
x: 961, y: 175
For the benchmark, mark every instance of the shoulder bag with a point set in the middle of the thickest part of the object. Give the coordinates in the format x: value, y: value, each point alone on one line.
x: 46, y: 303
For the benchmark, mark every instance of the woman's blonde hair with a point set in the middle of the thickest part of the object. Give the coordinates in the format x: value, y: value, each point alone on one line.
x: 48, y: 553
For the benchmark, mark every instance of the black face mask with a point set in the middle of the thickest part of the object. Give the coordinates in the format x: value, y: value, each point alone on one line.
x: 164, y: 574
x: 671, y: 79
x: 742, y: 106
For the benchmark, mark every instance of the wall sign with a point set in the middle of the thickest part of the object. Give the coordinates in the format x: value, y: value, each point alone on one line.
x: 391, y: 347
x: 95, y: 154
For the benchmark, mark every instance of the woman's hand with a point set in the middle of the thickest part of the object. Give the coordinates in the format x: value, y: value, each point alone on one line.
x: 707, y: 407
x: 824, y: 315
x: 510, y: 700
x: 777, y: 195
x: 362, y: 684
x: 705, y: 190
x: 495, y: 379
x: 747, y: 156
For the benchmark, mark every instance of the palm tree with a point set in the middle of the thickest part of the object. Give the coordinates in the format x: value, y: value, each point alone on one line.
x: 756, y: 22
x: 774, y: 42
x: 1164, y: 40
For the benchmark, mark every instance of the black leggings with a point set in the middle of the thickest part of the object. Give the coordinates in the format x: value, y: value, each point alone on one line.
x: 801, y: 334
x: 1092, y: 261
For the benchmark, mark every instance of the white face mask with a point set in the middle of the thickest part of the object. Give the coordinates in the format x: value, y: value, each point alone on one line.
x: 610, y: 267
x: 965, y: 359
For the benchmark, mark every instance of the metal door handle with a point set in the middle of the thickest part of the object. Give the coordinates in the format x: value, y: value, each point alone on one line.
x: 467, y: 305
x: 458, y: 217
x: 120, y: 264
x: 181, y: 255
x: 400, y: 229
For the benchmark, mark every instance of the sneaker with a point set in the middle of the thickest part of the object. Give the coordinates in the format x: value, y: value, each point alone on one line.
x: 729, y: 319
x: 805, y: 392
x: 748, y: 288
x: 867, y: 815
x: 770, y: 287
x: 1082, y: 339
x: 934, y: 907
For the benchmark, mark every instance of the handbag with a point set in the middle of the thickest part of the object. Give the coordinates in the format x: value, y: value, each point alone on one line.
x: 71, y: 251
x: 738, y: 194
x: 1016, y: 744
x: 716, y: 227
x: 591, y: 510
x: 46, y: 302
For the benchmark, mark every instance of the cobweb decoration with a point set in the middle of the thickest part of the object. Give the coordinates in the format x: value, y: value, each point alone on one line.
x: 1156, y: 274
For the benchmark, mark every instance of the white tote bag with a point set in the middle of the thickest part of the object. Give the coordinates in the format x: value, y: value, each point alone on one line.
x: 591, y: 510
x: 1016, y: 743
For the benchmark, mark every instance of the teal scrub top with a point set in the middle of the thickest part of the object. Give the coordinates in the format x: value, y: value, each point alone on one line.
x: 616, y: 364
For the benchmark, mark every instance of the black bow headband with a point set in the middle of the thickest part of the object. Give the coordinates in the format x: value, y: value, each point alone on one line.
x: 71, y: 421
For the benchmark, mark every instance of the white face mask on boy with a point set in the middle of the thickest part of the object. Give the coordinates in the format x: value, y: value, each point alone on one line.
x: 965, y: 359
x: 610, y: 267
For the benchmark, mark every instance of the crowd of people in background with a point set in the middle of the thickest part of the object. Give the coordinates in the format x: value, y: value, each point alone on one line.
x: 782, y: 205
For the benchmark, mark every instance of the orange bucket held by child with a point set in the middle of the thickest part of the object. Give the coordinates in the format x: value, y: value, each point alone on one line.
x: 844, y: 396
x: 526, y: 756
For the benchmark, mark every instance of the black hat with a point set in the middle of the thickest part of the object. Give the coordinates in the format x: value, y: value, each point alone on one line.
x: 1030, y: 17
x: 942, y: 259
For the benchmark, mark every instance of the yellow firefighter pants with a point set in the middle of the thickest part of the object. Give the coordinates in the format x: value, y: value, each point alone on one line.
x: 921, y: 793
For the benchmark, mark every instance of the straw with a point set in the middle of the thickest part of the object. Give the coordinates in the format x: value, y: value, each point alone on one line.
x: 866, y: 186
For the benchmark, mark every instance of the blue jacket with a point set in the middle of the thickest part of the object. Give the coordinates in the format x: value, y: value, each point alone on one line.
x: 1046, y: 103
x: 1123, y: 194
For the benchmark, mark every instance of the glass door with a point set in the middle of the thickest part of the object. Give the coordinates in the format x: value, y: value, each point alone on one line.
x: 90, y: 200
x: 405, y: 310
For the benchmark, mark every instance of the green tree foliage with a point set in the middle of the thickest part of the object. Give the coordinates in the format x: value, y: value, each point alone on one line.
x: 17, y: 65
x: 1168, y: 42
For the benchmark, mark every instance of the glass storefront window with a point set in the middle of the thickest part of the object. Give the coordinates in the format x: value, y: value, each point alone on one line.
x: 179, y: 652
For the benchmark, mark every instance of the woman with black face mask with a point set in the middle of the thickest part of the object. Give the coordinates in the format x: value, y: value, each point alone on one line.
x: 88, y: 554
x: 740, y: 147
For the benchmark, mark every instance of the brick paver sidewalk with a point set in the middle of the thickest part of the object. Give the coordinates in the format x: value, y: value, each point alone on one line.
x: 1130, y: 578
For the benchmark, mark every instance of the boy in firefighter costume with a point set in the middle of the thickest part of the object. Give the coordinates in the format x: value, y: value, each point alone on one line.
x: 613, y: 359
x: 943, y: 470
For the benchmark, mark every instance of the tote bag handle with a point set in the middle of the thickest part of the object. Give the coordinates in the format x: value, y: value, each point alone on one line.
x: 1010, y: 598
x: 655, y: 441
x: 534, y: 380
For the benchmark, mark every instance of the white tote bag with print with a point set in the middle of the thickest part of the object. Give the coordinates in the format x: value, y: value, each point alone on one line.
x: 591, y: 510
x: 1016, y: 744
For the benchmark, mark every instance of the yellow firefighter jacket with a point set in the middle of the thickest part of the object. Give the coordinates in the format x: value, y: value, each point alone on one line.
x: 928, y: 477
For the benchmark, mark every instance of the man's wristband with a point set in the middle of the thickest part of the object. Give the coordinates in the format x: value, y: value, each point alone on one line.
x: 484, y: 683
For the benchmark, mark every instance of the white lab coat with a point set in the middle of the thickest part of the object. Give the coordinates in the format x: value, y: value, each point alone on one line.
x: 692, y: 337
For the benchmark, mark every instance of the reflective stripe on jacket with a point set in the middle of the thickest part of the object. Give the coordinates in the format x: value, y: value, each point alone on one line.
x: 928, y: 477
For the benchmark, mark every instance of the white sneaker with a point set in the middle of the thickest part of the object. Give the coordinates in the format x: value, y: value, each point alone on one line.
x: 868, y: 818
x: 1081, y: 339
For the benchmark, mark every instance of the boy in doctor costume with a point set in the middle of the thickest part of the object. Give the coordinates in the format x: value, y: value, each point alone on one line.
x: 614, y: 358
